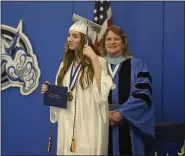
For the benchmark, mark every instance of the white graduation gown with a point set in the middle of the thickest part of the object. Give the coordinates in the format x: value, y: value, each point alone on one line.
x: 91, y: 129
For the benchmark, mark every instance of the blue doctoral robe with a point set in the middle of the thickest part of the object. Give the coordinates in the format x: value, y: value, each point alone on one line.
x: 133, y: 93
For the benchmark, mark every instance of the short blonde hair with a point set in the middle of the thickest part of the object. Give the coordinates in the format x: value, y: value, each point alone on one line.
x: 118, y: 31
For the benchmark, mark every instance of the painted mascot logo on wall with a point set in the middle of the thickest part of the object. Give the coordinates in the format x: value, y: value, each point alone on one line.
x: 19, y: 66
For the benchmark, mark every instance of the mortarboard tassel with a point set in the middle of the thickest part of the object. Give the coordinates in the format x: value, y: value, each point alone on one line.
x: 49, y: 144
x: 87, y: 32
x: 73, y: 144
x: 50, y: 137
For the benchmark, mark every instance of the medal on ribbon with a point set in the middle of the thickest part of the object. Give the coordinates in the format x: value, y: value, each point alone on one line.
x: 113, y: 73
x: 73, y: 76
x: 70, y: 96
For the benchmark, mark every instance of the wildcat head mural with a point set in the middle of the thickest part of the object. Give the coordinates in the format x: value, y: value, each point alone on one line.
x: 19, y: 66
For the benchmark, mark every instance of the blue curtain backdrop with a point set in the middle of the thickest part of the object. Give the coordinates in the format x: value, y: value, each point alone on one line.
x: 155, y: 33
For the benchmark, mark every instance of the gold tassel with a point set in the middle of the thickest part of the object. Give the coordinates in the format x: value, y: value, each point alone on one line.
x: 73, y: 144
x: 49, y: 144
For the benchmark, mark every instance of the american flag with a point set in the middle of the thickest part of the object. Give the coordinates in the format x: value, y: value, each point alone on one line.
x: 103, y: 17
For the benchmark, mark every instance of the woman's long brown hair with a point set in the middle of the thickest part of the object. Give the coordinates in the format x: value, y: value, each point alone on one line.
x: 87, y: 75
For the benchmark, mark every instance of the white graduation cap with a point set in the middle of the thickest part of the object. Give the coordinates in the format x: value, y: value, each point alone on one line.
x: 84, y: 26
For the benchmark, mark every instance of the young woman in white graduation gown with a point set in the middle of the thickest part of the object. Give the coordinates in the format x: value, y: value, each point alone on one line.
x: 89, y: 135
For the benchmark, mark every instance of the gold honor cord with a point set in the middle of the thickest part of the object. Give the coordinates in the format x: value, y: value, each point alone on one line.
x: 73, y: 137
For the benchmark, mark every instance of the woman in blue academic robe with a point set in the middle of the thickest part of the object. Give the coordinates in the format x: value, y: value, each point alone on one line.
x: 131, y: 113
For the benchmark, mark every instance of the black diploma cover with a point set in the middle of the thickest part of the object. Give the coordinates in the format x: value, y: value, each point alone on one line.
x: 56, y: 96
